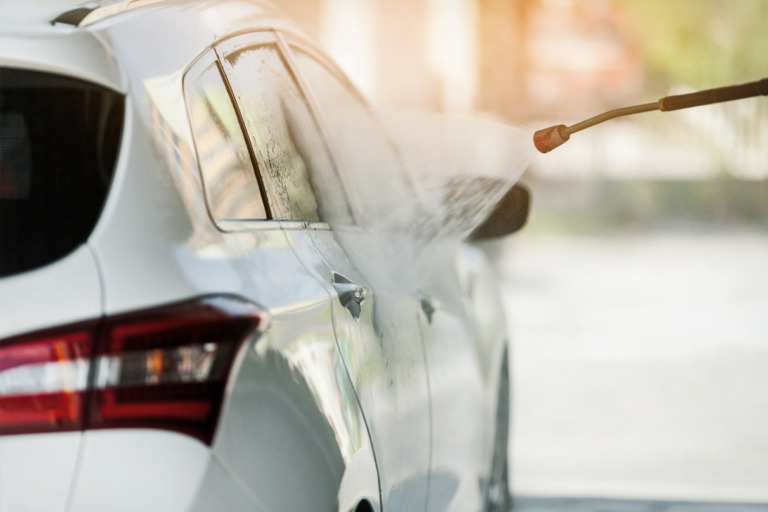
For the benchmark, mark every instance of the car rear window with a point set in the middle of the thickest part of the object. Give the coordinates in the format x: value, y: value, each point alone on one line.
x: 59, y: 138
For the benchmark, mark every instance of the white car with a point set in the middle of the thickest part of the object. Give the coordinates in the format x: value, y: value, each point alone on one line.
x: 200, y: 307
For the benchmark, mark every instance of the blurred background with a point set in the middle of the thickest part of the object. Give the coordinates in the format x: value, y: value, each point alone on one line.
x: 638, y: 293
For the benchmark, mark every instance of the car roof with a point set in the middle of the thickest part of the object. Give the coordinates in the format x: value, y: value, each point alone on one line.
x: 80, y: 12
x: 62, y: 36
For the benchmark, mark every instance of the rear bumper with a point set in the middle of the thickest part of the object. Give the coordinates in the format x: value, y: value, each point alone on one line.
x: 116, y: 470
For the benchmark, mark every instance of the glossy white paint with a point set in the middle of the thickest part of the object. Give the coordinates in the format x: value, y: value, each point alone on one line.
x: 58, y: 50
x: 385, y: 362
x: 292, y: 418
x: 32, y: 463
x: 75, y: 296
x: 129, y: 469
x: 461, y: 407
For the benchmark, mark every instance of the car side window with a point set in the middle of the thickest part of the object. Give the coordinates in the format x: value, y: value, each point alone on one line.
x: 290, y: 151
x: 229, y: 180
x: 368, y: 161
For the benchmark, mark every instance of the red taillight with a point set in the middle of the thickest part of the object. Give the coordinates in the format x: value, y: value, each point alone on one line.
x: 164, y: 368
x: 44, y: 378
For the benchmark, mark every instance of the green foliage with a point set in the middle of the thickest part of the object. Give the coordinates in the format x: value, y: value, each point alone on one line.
x: 701, y: 43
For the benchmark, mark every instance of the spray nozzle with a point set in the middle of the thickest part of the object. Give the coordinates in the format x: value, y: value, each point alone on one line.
x: 549, y: 138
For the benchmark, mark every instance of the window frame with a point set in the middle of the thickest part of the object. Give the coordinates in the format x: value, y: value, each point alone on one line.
x: 193, y: 72
x: 283, y: 39
x: 259, y: 38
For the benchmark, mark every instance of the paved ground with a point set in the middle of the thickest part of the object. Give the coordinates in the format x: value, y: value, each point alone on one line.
x: 640, y: 369
x: 608, y: 505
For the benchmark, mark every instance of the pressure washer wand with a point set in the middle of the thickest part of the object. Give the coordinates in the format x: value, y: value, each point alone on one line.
x: 549, y: 138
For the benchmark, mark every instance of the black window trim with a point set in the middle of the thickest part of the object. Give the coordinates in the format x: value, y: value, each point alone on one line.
x: 195, y: 69
x: 244, y: 130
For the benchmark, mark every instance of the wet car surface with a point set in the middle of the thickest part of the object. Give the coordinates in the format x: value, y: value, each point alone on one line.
x: 204, y: 303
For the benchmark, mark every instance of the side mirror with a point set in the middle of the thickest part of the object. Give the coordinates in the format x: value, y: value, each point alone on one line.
x: 509, y: 215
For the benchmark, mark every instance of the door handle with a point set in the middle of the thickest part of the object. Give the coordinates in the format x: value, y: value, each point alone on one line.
x: 351, y: 295
x: 428, y: 306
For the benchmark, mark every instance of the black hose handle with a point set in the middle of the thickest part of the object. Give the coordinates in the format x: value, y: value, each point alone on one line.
x: 718, y: 95
x: 549, y: 138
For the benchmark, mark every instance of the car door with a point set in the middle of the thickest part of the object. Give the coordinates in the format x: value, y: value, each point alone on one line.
x: 456, y: 367
x: 378, y: 334
x: 371, y: 174
x: 459, y: 375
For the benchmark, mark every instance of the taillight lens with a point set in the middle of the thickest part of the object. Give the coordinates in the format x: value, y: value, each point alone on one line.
x: 44, y: 378
x: 164, y: 368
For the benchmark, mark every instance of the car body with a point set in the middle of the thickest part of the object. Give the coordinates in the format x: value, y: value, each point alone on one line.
x: 181, y: 329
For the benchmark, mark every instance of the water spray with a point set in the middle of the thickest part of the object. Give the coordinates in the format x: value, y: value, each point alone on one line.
x: 549, y: 138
